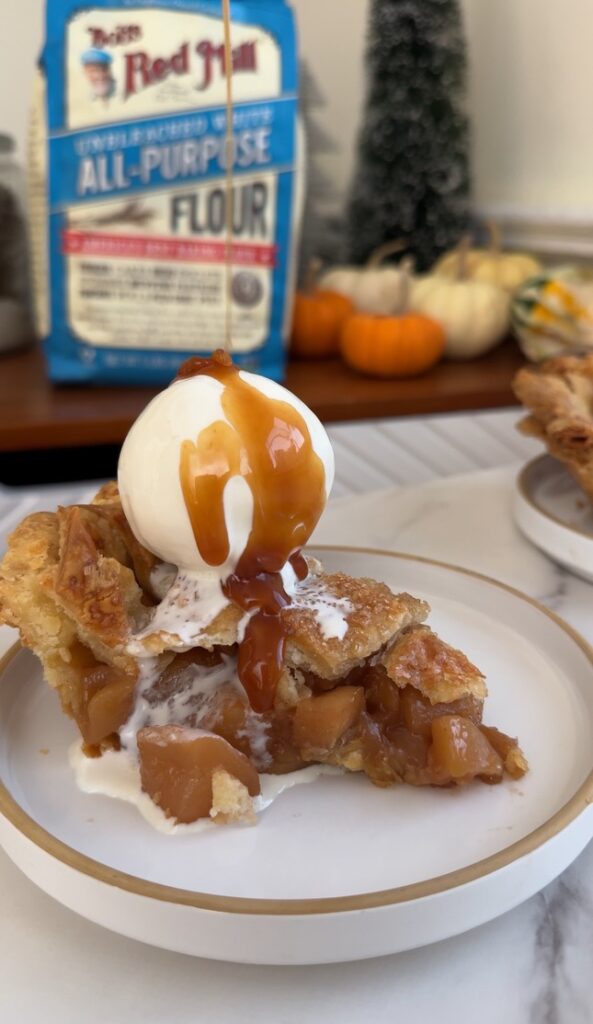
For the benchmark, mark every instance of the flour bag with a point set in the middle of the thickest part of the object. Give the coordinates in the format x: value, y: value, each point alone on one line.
x: 127, y: 186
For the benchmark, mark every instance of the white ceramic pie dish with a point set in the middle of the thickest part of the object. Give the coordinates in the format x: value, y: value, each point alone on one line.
x: 553, y: 513
x: 337, y: 870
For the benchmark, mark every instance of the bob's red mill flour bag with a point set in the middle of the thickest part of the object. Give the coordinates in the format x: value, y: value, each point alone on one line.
x: 128, y: 186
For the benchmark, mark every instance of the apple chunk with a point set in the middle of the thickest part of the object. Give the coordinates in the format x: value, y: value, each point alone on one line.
x: 177, y: 765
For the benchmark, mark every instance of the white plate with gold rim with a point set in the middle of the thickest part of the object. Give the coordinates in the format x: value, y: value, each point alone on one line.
x: 338, y: 869
x: 554, y: 513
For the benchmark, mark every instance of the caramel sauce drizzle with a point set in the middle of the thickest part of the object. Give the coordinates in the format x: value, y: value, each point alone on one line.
x: 267, y: 443
x: 229, y: 156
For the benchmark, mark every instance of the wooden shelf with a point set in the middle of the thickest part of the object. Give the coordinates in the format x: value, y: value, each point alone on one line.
x: 35, y: 414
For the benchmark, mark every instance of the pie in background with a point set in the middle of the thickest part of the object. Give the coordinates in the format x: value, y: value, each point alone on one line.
x: 559, y: 396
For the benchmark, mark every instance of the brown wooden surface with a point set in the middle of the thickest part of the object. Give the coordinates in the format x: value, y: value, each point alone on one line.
x: 35, y: 414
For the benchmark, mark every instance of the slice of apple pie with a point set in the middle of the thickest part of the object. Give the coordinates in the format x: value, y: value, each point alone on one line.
x: 192, y: 641
x: 364, y: 684
x: 559, y: 396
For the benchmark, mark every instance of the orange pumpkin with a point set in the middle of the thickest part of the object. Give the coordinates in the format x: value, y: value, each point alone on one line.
x: 392, y: 346
x: 317, y: 319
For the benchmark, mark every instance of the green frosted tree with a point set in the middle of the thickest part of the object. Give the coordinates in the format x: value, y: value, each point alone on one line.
x: 412, y: 175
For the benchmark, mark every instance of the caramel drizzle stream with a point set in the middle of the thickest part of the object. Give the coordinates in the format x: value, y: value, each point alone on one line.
x: 267, y: 443
x: 229, y: 149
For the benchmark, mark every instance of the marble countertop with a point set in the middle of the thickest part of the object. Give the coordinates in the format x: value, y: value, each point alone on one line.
x: 528, y: 967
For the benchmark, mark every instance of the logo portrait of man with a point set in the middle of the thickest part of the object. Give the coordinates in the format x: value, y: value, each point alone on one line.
x: 98, y: 69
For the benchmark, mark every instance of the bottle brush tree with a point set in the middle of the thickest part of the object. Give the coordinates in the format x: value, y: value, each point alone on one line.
x: 411, y: 179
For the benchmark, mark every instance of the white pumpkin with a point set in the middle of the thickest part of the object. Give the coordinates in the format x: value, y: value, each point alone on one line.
x: 372, y: 288
x: 508, y: 270
x: 473, y: 314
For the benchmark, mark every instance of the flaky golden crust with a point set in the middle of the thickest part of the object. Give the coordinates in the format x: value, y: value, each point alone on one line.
x: 79, y: 575
x: 108, y: 494
x: 373, y: 615
x: 95, y: 588
x: 64, y: 585
x: 231, y: 802
x: 33, y: 552
x: 71, y: 579
x: 559, y: 395
x: 442, y: 674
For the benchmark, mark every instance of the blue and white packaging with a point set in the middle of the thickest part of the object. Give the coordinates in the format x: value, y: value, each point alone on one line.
x: 127, y: 173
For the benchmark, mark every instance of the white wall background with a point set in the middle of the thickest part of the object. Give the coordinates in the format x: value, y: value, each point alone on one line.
x: 531, y: 97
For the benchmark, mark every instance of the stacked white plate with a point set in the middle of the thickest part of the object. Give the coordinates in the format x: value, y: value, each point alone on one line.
x: 555, y: 514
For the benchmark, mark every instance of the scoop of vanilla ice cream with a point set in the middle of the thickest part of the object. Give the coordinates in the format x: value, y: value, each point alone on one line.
x: 148, y: 472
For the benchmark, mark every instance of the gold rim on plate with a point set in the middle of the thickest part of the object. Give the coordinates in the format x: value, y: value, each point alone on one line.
x: 583, y: 797
x: 524, y: 488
